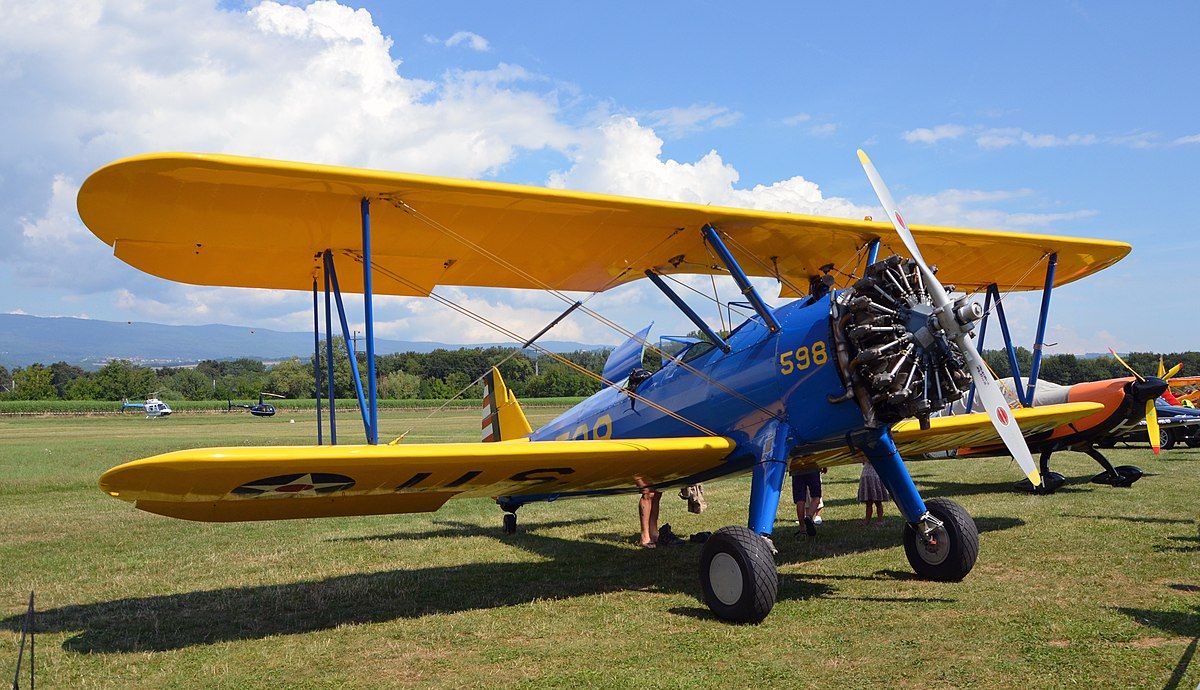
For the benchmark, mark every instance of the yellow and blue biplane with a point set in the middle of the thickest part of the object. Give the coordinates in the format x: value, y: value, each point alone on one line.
x: 841, y: 374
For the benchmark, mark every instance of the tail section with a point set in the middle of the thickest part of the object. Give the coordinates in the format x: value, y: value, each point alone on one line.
x: 503, y: 419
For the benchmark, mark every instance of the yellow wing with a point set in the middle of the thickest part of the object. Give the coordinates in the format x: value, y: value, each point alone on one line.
x: 958, y: 431
x: 282, y: 482
x: 226, y: 220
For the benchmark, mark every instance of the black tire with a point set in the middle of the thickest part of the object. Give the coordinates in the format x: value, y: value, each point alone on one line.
x: 1166, y: 439
x: 510, y: 523
x: 1192, y: 442
x: 958, y: 546
x: 738, y: 575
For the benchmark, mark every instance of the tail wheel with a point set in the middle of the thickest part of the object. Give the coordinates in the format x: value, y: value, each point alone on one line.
x: 738, y: 575
x: 951, y: 553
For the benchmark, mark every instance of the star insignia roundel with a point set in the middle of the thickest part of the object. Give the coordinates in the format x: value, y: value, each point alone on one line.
x: 310, y: 484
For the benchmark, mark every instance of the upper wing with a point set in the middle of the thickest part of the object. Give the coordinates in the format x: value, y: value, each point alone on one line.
x: 226, y: 220
x: 280, y: 482
x: 958, y: 431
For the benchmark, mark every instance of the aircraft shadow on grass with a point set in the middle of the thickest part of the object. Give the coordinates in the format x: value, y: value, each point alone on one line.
x: 1177, y: 624
x: 570, y: 568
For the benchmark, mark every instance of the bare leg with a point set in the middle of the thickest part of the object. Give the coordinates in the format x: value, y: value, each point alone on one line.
x: 645, y: 510
x: 654, y: 499
x: 879, y: 511
x: 867, y: 519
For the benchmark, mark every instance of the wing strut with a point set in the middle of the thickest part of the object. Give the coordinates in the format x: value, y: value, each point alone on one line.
x: 688, y: 311
x: 739, y: 277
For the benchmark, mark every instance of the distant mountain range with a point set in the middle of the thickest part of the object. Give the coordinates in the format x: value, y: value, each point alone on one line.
x: 90, y: 343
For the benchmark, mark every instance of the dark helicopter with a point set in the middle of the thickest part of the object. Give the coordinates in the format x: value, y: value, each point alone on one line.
x: 261, y: 409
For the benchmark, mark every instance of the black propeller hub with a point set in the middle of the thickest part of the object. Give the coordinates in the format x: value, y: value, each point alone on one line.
x: 1149, y: 389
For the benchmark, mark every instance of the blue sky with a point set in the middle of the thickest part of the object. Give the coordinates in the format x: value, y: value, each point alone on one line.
x: 1046, y: 117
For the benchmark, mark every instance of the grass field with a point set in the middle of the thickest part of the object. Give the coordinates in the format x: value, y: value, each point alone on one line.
x: 1091, y: 587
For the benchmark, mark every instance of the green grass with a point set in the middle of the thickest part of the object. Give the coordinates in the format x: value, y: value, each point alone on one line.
x: 24, y: 407
x: 1092, y: 587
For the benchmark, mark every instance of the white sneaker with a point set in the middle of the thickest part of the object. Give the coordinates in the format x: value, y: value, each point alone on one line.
x: 817, y: 520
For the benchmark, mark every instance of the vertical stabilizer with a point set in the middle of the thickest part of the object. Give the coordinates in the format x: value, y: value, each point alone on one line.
x: 503, y: 419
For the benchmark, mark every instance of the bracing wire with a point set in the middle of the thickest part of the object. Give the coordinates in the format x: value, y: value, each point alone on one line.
x: 508, y: 333
x: 680, y: 283
x: 717, y: 299
x: 408, y: 208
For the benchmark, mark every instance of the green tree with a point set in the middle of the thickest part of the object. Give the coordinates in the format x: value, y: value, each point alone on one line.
x: 291, y: 378
x: 188, y: 383
x: 399, y: 385
x: 34, y: 382
x: 121, y: 379
x: 62, y: 375
x: 343, y: 378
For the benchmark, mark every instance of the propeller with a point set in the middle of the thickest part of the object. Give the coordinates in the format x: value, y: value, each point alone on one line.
x: 985, y: 386
x: 1151, y: 411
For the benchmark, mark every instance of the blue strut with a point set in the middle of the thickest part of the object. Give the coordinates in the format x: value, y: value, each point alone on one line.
x: 766, y: 479
x: 879, y: 448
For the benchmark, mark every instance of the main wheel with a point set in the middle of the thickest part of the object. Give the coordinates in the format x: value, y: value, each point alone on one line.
x: 954, y: 548
x: 1193, y: 441
x: 1166, y: 439
x: 738, y: 575
x: 510, y: 523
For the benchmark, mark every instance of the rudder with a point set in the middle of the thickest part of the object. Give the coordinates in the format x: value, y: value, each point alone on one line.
x: 503, y: 419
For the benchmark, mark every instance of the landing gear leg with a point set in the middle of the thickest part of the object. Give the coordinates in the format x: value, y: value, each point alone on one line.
x: 1051, y: 481
x: 510, y: 514
x: 940, y: 539
x: 738, y: 575
x: 1122, y: 476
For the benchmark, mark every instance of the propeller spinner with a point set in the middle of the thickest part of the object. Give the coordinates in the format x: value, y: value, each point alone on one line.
x: 1159, y: 385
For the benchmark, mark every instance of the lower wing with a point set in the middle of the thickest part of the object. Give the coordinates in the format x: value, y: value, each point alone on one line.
x: 283, y: 482
x: 957, y: 431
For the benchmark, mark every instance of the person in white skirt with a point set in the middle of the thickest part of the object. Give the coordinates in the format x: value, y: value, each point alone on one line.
x: 872, y: 492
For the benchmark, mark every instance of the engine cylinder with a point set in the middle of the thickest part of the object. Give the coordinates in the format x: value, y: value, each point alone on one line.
x: 892, y: 347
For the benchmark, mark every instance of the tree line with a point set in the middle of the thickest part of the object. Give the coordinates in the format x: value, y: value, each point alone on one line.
x: 435, y: 375
x: 410, y: 375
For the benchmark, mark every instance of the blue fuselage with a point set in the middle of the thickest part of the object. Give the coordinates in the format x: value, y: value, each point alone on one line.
x: 787, y: 376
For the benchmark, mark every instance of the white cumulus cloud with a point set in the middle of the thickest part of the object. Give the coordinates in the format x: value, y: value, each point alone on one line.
x: 470, y: 39
x: 680, y: 121
x: 930, y: 135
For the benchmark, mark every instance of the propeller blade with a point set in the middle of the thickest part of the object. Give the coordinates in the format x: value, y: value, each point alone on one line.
x: 985, y: 386
x: 1152, y: 425
x: 997, y: 408
x: 1162, y: 371
x: 1170, y: 372
x: 1126, y: 365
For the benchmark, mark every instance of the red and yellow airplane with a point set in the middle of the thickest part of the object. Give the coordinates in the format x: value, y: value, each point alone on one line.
x: 817, y: 382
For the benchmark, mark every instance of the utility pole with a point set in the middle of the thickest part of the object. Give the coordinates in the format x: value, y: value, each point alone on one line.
x: 354, y: 339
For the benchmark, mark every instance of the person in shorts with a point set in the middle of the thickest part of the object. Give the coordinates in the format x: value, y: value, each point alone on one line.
x: 806, y: 494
